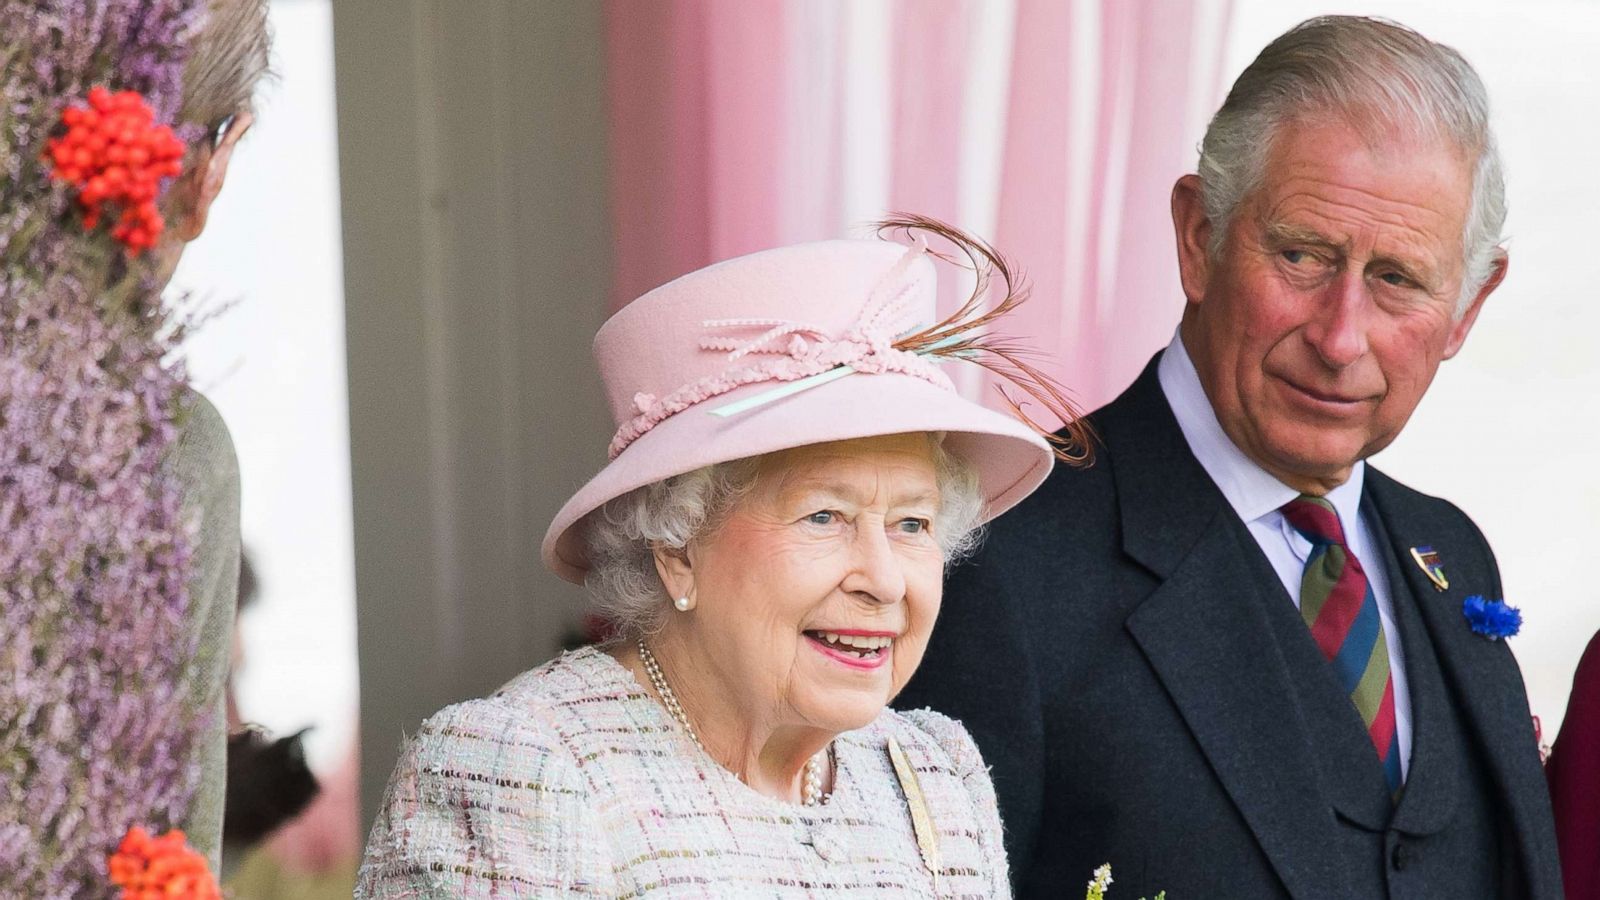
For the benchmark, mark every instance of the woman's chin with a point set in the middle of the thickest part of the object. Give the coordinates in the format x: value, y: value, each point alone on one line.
x: 838, y: 721
x: 839, y: 708
x: 846, y: 688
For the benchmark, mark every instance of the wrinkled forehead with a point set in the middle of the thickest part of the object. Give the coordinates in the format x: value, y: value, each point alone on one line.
x: 1329, y: 173
x: 1321, y: 137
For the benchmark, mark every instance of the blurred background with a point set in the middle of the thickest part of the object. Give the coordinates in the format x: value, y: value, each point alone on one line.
x: 441, y: 202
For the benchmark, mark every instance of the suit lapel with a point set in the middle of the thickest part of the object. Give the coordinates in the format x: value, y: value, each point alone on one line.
x: 1482, y: 674
x: 1206, y: 635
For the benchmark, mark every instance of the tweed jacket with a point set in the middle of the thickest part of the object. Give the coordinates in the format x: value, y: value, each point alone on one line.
x: 573, y: 781
x: 204, y: 462
x: 1149, y: 696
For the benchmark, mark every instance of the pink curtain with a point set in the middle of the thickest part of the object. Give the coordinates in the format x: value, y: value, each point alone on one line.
x: 928, y: 71
x: 704, y: 129
x: 1035, y: 204
x: 727, y: 136
x: 1107, y: 294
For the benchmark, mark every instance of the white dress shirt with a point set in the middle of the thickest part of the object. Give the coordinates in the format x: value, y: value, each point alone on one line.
x: 1257, y: 497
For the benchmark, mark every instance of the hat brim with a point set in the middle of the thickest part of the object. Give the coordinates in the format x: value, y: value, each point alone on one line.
x: 1010, y: 459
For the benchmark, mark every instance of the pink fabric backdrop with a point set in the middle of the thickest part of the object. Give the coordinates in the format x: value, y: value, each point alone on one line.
x: 928, y: 69
x: 727, y: 136
x: 1102, y: 318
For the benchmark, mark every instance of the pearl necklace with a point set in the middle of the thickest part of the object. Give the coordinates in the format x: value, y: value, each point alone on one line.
x: 812, y: 790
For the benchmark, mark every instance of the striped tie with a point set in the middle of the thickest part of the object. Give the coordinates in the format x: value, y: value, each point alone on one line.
x: 1337, y: 602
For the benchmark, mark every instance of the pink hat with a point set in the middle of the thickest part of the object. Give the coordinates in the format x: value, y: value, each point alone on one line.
x: 781, y: 349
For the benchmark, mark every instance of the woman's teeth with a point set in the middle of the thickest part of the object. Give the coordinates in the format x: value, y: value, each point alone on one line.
x: 860, y: 645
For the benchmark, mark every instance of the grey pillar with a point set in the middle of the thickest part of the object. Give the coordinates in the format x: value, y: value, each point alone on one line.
x: 473, y: 180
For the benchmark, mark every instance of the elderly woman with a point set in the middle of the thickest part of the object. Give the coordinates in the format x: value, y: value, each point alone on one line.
x: 770, y: 537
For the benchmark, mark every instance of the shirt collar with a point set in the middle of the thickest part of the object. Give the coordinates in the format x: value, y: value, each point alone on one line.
x: 1249, y: 489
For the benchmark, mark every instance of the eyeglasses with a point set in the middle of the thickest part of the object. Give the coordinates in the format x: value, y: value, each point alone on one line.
x: 220, y: 129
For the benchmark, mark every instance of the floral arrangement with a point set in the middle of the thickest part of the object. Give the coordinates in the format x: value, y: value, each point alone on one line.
x: 95, y: 727
x: 1491, y: 618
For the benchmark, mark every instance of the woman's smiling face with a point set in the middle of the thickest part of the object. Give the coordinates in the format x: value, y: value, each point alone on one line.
x: 815, y: 598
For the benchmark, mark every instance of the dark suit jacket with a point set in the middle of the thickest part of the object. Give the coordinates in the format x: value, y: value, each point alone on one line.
x: 1148, y: 696
x: 1574, y: 773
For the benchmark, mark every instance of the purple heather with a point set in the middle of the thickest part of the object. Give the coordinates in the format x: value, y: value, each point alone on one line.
x: 95, y: 728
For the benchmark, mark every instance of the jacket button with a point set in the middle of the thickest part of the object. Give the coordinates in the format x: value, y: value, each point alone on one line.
x: 1402, y: 855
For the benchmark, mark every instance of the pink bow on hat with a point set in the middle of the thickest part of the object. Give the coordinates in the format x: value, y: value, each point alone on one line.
x: 866, y: 347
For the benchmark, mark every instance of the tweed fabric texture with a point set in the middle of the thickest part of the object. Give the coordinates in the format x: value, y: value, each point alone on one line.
x: 573, y: 781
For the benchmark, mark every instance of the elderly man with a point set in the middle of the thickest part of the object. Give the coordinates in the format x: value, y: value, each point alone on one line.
x: 1231, y: 658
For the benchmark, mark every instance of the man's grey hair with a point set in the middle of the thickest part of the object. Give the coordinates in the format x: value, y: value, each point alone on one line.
x: 1377, y: 76
x: 621, y: 535
x: 227, y: 61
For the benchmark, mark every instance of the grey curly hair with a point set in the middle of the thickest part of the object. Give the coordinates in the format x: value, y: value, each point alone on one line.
x: 620, y: 536
x: 1378, y: 76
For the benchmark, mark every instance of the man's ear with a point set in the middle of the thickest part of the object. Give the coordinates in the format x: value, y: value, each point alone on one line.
x: 1193, y: 231
x: 1458, y: 331
x: 207, y: 180
x: 674, y: 568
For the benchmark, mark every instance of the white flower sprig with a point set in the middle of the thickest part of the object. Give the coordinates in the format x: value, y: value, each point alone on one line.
x: 1102, y: 882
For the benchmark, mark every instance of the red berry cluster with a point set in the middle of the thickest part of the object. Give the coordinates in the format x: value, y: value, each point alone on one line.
x: 161, y: 868
x: 113, y: 152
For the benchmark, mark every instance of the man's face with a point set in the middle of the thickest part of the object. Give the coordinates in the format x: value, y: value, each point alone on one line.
x: 1332, y: 304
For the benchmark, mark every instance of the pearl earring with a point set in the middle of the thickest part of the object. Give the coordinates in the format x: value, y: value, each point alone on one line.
x: 684, y: 604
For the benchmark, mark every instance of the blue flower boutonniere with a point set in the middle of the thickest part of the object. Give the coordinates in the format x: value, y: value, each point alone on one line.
x: 1492, y: 618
